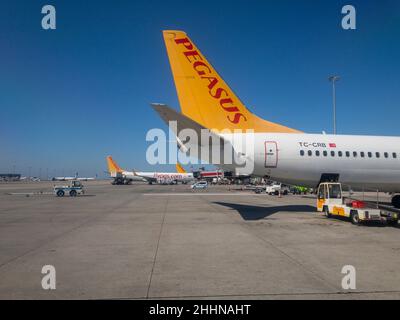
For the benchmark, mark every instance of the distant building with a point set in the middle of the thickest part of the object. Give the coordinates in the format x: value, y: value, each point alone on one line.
x: 10, y: 176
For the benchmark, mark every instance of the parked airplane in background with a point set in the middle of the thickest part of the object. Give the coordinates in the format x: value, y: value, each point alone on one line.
x: 127, y: 177
x: 62, y: 178
x: 281, y: 153
x: 86, y: 178
x: 73, y: 178
x: 121, y: 176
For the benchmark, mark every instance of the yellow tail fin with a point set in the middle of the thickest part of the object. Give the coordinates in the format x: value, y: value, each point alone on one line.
x: 179, y: 168
x: 112, y: 166
x: 203, y: 94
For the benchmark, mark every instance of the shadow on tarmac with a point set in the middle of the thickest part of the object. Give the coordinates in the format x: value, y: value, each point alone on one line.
x: 249, y: 212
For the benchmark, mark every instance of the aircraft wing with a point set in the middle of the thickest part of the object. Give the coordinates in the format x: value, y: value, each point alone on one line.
x: 148, y: 179
x: 144, y: 177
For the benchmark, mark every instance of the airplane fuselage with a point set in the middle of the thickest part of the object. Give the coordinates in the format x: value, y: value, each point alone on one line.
x: 129, y: 175
x: 361, y: 162
x: 166, y: 176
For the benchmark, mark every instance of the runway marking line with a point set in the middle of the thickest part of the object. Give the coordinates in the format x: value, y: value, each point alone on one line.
x: 197, y: 194
x: 29, y: 193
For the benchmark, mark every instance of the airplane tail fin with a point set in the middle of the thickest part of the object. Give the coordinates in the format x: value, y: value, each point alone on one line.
x: 112, y: 166
x: 179, y: 168
x: 203, y: 95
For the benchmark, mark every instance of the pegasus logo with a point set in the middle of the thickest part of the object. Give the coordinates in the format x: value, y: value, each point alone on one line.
x: 214, y: 90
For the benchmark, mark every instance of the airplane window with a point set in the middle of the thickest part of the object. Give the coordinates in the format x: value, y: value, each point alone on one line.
x: 369, y: 154
x: 325, y: 153
x: 340, y: 153
x: 362, y: 154
x: 310, y: 153
x: 386, y: 155
x: 317, y: 153
x: 394, y: 155
x: 334, y: 191
x: 347, y: 154
x: 302, y: 152
x: 332, y: 153
x: 355, y: 154
x: 377, y: 154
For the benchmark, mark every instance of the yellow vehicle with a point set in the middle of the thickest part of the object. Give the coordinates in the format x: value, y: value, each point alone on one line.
x: 332, y: 203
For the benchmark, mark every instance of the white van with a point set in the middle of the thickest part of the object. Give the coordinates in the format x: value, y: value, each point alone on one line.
x: 199, y: 185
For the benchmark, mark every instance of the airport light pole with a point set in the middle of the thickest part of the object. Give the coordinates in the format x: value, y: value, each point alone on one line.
x: 333, y: 79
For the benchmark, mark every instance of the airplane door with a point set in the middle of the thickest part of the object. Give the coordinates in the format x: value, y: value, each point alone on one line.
x: 271, y: 154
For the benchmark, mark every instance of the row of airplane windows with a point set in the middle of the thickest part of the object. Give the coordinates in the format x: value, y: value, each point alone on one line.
x: 348, y: 154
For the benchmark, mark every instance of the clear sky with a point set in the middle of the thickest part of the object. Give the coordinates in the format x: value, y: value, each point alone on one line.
x: 71, y: 96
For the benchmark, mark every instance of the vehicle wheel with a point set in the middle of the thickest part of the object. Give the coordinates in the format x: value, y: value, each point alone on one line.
x: 72, y: 193
x: 60, y: 193
x: 355, y: 219
x: 327, y: 213
x: 285, y: 192
x: 396, y: 201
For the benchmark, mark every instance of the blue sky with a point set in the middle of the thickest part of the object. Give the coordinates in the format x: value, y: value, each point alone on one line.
x: 71, y: 96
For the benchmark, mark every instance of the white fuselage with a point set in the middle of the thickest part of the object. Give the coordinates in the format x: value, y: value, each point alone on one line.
x: 166, y: 176
x: 362, y: 162
x: 129, y: 175
x: 73, y: 178
x: 156, y: 176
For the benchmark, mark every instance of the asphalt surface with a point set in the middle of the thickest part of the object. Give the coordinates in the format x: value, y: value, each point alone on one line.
x: 145, y: 242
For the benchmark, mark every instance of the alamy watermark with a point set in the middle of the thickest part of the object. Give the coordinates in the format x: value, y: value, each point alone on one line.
x: 349, y: 280
x: 49, y: 278
x: 49, y: 18
x: 349, y: 21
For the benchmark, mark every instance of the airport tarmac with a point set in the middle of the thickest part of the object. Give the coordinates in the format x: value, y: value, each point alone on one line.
x: 152, y: 241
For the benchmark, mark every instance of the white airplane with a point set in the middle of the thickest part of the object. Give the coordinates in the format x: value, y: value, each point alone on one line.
x: 281, y: 153
x: 127, y: 177
x: 121, y: 176
x: 62, y: 178
x: 85, y: 178
x: 73, y: 178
